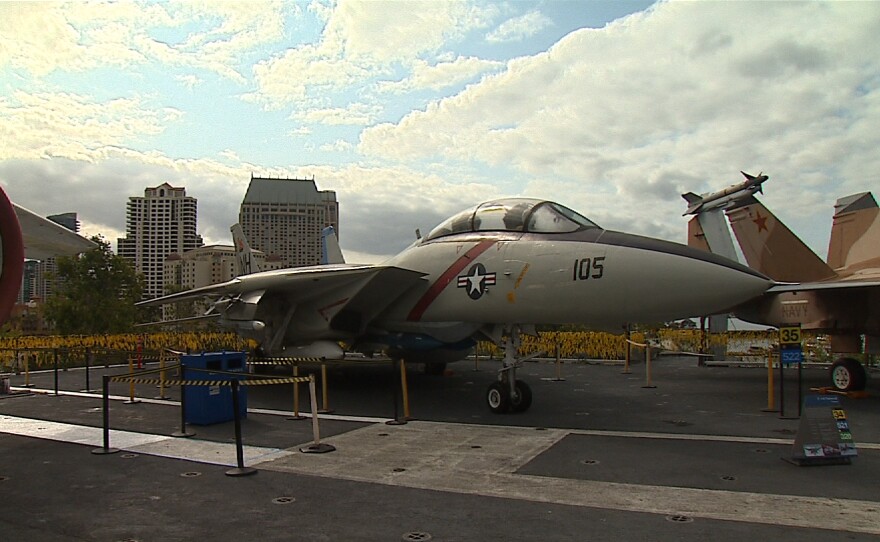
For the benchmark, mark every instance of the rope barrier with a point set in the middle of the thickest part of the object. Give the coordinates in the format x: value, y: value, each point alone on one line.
x: 177, y: 382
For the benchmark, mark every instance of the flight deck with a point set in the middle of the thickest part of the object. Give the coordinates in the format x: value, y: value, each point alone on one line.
x: 600, y: 455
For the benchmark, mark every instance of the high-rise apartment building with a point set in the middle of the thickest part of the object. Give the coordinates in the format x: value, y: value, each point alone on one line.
x: 160, y: 223
x: 284, y: 218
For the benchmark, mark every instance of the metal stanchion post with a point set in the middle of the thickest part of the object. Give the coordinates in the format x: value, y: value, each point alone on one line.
x: 184, y: 433
x: 55, y: 364
x: 771, y: 400
x: 27, y: 372
x: 88, y: 367
x: 325, y: 400
x: 296, y: 414
x: 648, y: 383
x: 240, y: 470
x: 106, y: 449
x: 800, y: 388
x: 131, y: 399
x: 162, y: 375
x: 782, y: 391
x: 394, y: 387
x: 404, y: 390
x: 316, y: 447
x: 558, y: 366
x: 626, y: 369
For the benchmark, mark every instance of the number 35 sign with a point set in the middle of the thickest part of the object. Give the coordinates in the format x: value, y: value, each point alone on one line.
x: 790, y: 335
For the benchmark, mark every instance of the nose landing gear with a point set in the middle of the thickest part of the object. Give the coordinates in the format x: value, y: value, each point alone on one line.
x: 509, y: 394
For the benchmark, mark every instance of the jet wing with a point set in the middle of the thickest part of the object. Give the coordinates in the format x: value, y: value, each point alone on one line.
x: 350, y: 295
x: 820, y: 286
x: 44, y: 238
x: 298, y: 282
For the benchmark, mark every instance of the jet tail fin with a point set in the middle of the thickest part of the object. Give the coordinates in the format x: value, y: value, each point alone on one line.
x: 855, y: 231
x: 330, y: 251
x: 246, y: 262
x: 771, y: 248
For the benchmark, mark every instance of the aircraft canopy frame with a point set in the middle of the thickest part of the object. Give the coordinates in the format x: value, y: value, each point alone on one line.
x: 518, y: 215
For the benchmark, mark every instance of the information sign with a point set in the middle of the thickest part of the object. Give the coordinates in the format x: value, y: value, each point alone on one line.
x: 790, y: 335
x: 824, y: 436
x: 791, y: 354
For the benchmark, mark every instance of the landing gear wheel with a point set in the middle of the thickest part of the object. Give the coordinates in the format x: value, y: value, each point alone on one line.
x: 498, y: 398
x: 522, y: 397
x: 848, y: 374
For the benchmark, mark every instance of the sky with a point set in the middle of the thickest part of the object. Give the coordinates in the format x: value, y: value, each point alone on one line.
x: 414, y: 110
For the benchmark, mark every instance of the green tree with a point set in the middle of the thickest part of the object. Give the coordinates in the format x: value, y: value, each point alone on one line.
x: 96, y: 293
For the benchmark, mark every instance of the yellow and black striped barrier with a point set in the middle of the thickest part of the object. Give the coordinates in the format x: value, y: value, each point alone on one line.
x: 243, y: 380
x: 284, y: 361
x: 178, y: 382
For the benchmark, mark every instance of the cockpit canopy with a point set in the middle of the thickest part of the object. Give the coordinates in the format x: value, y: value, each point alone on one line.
x: 523, y: 215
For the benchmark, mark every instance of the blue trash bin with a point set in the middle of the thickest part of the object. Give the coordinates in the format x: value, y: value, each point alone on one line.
x: 206, y: 405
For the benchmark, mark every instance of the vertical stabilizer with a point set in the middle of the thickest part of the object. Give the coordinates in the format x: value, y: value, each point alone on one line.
x: 330, y: 251
x: 771, y: 248
x: 246, y: 262
x: 855, y: 233
x: 696, y: 237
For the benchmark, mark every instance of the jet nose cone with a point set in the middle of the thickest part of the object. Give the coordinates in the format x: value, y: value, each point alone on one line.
x: 677, y: 281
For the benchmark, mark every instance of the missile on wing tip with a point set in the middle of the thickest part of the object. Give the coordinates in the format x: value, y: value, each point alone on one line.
x: 725, y: 197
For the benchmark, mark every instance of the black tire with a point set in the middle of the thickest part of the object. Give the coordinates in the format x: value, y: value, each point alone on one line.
x: 498, y: 398
x: 848, y: 374
x: 522, y: 397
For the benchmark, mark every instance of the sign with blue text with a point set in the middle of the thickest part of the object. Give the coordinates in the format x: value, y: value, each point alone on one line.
x: 824, y: 436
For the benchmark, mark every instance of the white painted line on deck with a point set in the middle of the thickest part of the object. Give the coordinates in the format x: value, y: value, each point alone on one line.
x: 92, y: 395
x: 478, y: 460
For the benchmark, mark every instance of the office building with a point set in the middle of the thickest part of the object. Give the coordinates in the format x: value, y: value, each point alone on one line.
x: 210, y: 264
x: 203, y: 266
x: 284, y: 218
x: 160, y: 223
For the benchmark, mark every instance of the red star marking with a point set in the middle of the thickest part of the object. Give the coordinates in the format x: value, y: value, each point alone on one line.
x: 761, y: 221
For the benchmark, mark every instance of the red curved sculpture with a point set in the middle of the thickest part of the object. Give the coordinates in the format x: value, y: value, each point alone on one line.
x: 13, y: 257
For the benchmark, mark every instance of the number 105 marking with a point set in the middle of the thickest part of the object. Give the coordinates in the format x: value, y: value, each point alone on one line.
x: 587, y: 268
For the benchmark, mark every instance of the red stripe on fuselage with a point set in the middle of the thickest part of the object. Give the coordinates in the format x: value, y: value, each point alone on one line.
x: 441, y: 283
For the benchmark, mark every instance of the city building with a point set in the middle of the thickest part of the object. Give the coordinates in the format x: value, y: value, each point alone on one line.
x: 210, y: 264
x: 160, y: 223
x: 284, y: 218
x: 203, y: 266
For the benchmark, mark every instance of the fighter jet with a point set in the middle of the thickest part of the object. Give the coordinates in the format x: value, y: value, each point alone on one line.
x: 492, y: 271
x: 839, y: 297
x: 725, y: 198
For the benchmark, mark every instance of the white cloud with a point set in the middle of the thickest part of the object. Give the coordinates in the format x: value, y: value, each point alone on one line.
x: 669, y: 100
x: 340, y: 145
x: 440, y: 75
x: 189, y: 81
x: 74, y: 126
x: 356, y: 114
x: 519, y: 28
x: 42, y: 37
x: 385, y: 32
x: 362, y: 40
